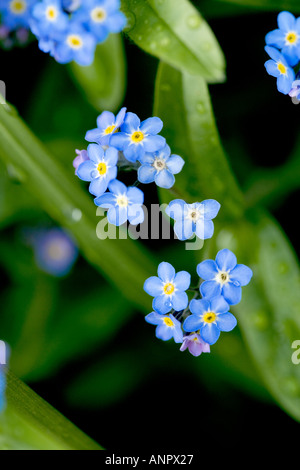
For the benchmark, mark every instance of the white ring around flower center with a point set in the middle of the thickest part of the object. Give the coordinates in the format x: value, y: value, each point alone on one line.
x: 222, y: 277
x: 122, y: 200
x: 159, y: 164
x: 194, y: 214
x: 98, y: 15
x: 51, y: 13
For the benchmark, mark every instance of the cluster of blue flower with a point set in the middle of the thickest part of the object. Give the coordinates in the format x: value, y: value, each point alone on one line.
x: 283, y: 47
x: 197, y: 323
x: 123, y: 141
x: 67, y: 29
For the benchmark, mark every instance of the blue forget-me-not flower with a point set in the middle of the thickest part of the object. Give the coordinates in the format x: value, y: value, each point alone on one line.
x: 287, y: 37
x: 167, y: 326
x: 107, y: 125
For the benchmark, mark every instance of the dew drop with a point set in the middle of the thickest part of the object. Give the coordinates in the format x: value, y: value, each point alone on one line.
x: 153, y: 45
x: 194, y: 21
x: 131, y: 21
x: 165, y: 42
x: 200, y: 107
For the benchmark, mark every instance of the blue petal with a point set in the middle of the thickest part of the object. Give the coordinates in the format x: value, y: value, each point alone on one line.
x: 135, y: 195
x: 291, y: 54
x: 98, y: 186
x: 116, y: 22
x: 180, y: 301
x: 177, y: 331
x: 182, y: 280
x: 284, y: 84
x: 111, y: 156
x: 136, y: 214
x: 198, y: 307
x: 146, y: 173
x: 207, y: 270
x: 164, y: 332
x: 272, y: 68
x: 210, y: 333
x: 120, y: 117
x: 175, y: 164
x: 204, y: 229
x: 276, y: 38
x: 131, y: 123
x: 226, y: 321
x: 147, y: 158
x: 286, y: 21
x: 175, y: 209
x: 151, y: 126
x: 273, y: 53
x: 134, y: 152
x: 162, y: 304
x: 153, y: 286
x: 211, y: 208
x: 94, y: 135
x: 164, y: 179
x: 210, y: 289
x: 184, y: 230
x: 242, y: 274
x: 105, y: 120
x: 95, y: 152
x: 117, y: 215
x: 166, y: 272
x: 226, y: 260
x: 218, y: 304
x: 232, y: 293
x: 152, y: 143
x: 85, y: 169
x: 107, y: 200
x: 120, y: 141
x: 192, y: 323
x: 153, y: 318
x: 117, y: 187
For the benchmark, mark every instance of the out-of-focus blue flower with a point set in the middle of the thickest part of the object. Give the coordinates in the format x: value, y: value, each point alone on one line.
x: 101, y: 17
x: 48, y: 18
x: 195, y: 344
x: 210, y: 317
x: 193, y: 218
x: 16, y: 13
x: 76, y: 44
x: 168, y: 289
x: 71, y: 5
x: 136, y: 138
x: 278, y: 67
x: 107, y: 125
x: 286, y: 37
x: 160, y: 167
x: 224, y: 277
x: 122, y: 203
x: 55, y: 252
x: 100, y: 169
x: 2, y: 388
x: 295, y: 91
x: 167, y: 326
x: 82, y: 156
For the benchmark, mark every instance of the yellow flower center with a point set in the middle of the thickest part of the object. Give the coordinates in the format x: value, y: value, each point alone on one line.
x: 169, y: 288
x: 98, y: 14
x: 282, y: 68
x: 51, y: 13
x: 137, y: 137
x: 122, y: 201
x: 74, y: 41
x: 209, y: 317
x: 110, y: 129
x: 102, y: 168
x: 291, y: 37
x: 17, y: 6
x: 168, y: 321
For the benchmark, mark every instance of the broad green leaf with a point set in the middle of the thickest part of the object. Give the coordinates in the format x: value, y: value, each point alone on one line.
x: 182, y: 101
x: 104, y: 82
x: 123, y: 262
x: 176, y: 33
x: 268, y: 314
x: 29, y: 423
x: 276, y: 5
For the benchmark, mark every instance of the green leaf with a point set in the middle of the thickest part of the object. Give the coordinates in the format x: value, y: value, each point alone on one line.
x: 123, y: 262
x: 269, y: 312
x: 274, y: 5
x: 104, y: 82
x: 176, y: 33
x: 29, y: 423
x: 182, y: 101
